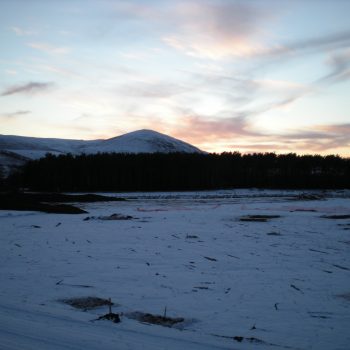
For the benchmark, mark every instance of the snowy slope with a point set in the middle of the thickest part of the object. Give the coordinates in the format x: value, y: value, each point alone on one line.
x: 280, y: 284
x: 30, y: 146
x: 141, y: 141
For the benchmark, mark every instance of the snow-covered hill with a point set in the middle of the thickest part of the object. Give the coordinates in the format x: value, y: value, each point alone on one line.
x: 15, y: 150
x: 141, y: 141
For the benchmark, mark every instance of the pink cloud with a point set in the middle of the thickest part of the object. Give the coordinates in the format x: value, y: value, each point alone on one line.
x: 238, y: 134
x: 216, y: 30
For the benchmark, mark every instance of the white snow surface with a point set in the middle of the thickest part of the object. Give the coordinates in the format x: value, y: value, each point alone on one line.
x: 285, y: 281
x: 141, y: 141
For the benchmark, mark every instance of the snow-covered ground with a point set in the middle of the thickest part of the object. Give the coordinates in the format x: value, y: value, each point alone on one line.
x: 280, y: 284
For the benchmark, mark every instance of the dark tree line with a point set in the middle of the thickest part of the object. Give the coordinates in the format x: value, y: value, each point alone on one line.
x: 181, y: 171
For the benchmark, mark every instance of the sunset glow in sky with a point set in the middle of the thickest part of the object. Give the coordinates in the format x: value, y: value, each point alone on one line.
x: 224, y: 75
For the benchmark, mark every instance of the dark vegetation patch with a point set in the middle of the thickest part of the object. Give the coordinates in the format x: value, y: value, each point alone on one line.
x: 320, y: 314
x: 87, y: 303
x: 336, y: 217
x: 345, y: 227
x: 240, y: 339
x: 345, y: 242
x: 317, y: 251
x: 258, y: 218
x: 58, y: 197
x: 37, y: 206
x: 252, y: 340
x: 274, y: 234
x: 296, y: 288
x: 210, y: 259
x: 110, y: 317
x: 155, y: 319
x: 191, y: 237
x: 62, y: 283
x: 248, y: 339
x: 341, y: 267
x: 304, y: 210
x: 182, y: 171
x: 110, y: 217
x: 48, y: 202
x: 345, y: 296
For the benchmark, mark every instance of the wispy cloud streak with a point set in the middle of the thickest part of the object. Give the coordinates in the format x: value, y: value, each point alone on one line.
x: 29, y: 88
x: 14, y: 114
x: 49, y: 49
x: 22, y: 32
x: 333, y: 41
x: 340, y: 68
x: 157, y: 89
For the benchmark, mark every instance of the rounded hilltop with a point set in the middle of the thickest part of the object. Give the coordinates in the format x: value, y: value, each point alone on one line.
x: 142, y: 141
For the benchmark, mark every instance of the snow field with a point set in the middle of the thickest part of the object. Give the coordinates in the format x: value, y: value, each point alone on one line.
x: 278, y: 281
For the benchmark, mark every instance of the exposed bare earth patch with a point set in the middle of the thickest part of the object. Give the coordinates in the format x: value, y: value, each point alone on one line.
x: 114, y: 216
x: 258, y: 218
x: 87, y: 303
x: 110, y: 317
x: 155, y: 319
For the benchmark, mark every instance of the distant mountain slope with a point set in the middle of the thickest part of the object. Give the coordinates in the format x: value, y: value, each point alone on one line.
x: 15, y: 150
x: 36, y: 147
x: 141, y: 141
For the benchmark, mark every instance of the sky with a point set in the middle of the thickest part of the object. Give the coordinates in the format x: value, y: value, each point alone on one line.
x: 223, y: 75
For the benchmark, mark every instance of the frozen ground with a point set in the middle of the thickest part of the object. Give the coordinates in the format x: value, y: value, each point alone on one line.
x: 280, y: 284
